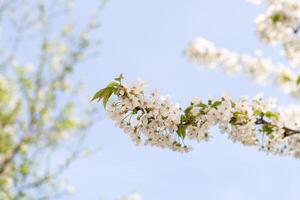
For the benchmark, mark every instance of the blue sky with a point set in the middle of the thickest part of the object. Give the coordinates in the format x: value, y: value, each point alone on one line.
x: 146, y: 39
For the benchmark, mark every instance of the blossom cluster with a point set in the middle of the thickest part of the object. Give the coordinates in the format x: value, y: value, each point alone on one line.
x: 151, y: 119
x: 154, y: 120
x: 281, y: 24
x: 262, y: 70
x: 292, y: 51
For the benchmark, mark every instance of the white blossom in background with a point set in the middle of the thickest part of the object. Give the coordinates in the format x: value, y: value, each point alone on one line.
x: 292, y: 51
x: 255, y: 2
x: 279, y: 22
x: 67, y: 186
x: 133, y: 196
x: 262, y: 70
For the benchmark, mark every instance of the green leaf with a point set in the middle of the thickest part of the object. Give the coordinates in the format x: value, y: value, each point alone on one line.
x: 237, y: 116
x: 181, y: 132
x: 106, y: 96
x: 101, y: 93
x: 68, y: 69
x: 23, y: 169
x: 298, y: 80
x: 182, y: 118
x: 233, y: 120
x: 232, y: 104
x: 188, y: 110
x: 271, y: 115
x: 202, y: 105
x: 216, y: 104
x: 278, y: 17
x: 258, y: 113
x: 119, y: 78
x: 113, y: 84
x: 135, y: 110
x: 267, y: 129
x: 209, y: 102
x: 285, y: 78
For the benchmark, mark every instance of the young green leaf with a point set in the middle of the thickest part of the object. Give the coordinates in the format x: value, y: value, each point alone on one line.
x: 119, y: 78
x: 108, y: 93
x: 113, y: 84
x: 272, y: 115
x: 99, y: 95
x: 216, y: 104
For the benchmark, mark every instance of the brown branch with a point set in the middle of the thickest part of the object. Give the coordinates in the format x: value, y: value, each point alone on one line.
x: 287, y: 131
x: 296, y: 30
x: 5, y: 163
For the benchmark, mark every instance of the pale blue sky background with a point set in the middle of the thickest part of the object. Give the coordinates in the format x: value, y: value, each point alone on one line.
x: 146, y: 39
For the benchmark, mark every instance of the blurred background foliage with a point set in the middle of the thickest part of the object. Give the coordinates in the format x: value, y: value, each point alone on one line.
x: 42, y: 116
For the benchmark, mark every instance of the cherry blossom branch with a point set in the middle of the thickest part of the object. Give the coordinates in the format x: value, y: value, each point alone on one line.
x: 154, y: 120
